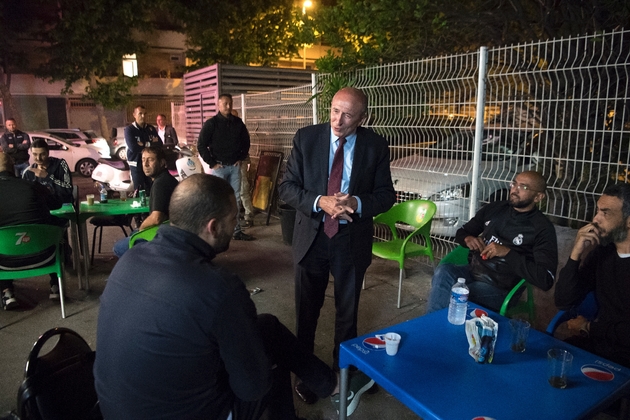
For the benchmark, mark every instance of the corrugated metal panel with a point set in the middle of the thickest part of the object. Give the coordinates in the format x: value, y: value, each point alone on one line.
x: 202, y: 88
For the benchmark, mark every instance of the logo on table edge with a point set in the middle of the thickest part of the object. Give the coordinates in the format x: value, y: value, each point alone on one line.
x: 483, y: 418
x: 597, y: 373
x: 374, y: 343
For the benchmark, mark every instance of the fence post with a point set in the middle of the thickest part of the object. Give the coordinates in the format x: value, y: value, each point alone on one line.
x: 314, y: 91
x: 243, y: 112
x: 481, y: 103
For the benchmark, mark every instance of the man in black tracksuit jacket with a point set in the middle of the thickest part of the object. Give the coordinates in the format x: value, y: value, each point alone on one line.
x: 509, y: 241
x: 139, y: 135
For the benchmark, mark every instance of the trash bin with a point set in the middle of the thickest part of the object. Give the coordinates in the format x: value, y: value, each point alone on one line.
x: 287, y: 221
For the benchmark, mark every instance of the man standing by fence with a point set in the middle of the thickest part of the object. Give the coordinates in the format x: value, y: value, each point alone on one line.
x: 223, y: 144
x: 336, y: 195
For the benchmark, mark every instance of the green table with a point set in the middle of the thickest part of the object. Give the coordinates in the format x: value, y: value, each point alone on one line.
x: 68, y: 212
x: 113, y: 207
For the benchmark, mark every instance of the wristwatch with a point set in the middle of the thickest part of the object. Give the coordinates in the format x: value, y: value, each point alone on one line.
x: 585, y: 329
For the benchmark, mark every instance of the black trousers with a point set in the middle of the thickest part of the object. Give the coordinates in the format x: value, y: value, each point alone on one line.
x: 287, y: 355
x: 328, y: 256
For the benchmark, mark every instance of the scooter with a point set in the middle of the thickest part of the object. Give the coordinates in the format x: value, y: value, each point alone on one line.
x: 114, y: 174
x: 184, y: 164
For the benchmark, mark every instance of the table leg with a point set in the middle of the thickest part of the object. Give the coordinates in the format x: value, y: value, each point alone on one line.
x: 76, y: 253
x: 343, y: 393
x: 86, y: 254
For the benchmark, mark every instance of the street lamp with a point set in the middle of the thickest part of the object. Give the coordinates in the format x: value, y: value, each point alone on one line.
x: 307, y: 4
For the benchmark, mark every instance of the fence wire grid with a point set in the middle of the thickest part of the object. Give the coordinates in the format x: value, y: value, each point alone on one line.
x: 559, y: 107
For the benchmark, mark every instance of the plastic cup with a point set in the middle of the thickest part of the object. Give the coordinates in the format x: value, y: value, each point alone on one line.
x: 559, y: 365
x: 520, y: 332
x: 123, y: 196
x: 90, y: 199
x: 392, y: 341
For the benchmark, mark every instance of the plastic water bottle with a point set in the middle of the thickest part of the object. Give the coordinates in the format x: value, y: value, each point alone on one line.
x: 459, y: 302
x: 103, y: 192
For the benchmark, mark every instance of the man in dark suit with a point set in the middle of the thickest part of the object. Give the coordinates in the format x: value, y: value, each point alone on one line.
x: 365, y: 190
x: 167, y: 132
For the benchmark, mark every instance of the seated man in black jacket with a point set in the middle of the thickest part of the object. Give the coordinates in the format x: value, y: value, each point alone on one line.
x: 179, y: 337
x: 508, y: 241
x: 600, y: 263
x: 24, y: 202
x: 51, y: 172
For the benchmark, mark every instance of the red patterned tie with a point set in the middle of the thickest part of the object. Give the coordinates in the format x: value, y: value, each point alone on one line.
x: 331, y: 226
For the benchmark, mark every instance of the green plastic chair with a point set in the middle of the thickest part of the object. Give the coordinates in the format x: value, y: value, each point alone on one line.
x: 459, y: 256
x: 32, y: 239
x: 415, y: 216
x: 145, y: 234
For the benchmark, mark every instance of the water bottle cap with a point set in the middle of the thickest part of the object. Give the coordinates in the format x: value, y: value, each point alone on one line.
x: 461, y: 280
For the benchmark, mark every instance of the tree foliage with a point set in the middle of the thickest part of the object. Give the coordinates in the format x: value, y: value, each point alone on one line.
x: 379, y: 31
x: 14, y: 22
x: 238, y: 32
x: 85, y: 41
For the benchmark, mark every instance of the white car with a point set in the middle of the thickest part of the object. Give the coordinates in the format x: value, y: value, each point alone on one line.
x: 87, y: 137
x: 117, y: 144
x: 442, y: 173
x: 80, y: 157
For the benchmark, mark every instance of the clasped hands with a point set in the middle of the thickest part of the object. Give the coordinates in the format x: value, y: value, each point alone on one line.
x: 339, y: 206
x: 493, y: 249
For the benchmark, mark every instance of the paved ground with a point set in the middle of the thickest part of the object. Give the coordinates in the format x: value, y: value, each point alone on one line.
x: 264, y: 263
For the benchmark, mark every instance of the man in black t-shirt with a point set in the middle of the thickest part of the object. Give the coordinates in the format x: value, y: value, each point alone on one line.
x: 163, y: 185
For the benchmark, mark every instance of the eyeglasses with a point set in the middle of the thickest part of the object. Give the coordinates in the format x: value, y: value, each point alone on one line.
x: 521, y: 187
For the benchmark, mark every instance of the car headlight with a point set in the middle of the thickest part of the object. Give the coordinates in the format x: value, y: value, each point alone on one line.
x: 453, y: 193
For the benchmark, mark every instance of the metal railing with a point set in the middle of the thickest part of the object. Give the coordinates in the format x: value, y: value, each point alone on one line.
x: 560, y: 107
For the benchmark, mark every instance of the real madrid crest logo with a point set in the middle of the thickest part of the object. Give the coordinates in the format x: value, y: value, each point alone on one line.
x: 518, y: 240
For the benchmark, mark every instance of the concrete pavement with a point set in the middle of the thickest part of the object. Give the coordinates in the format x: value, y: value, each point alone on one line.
x: 264, y: 263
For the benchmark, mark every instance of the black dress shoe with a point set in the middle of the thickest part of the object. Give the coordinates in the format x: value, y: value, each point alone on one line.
x: 305, y: 394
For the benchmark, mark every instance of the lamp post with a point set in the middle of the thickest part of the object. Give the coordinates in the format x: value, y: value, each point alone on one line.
x: 307, y: 4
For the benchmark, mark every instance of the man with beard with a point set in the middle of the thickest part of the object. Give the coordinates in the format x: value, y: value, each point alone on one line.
x: 600, y: 263
x: 162, y: 186
x: 508, y: 241
x: 51, y: 172
x: 179, y: 337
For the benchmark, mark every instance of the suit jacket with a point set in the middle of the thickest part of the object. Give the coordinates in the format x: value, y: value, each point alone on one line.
x: 306, y: 177
x: 170, y: 136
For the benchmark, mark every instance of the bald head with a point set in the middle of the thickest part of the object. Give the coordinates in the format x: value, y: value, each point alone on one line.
x: 535, y: 180
x: 6, y: 163
x: 353, y: 95
x: 199, y: 199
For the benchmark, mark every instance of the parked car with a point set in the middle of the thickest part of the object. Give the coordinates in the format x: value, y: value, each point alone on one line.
x: 87, y: 137
x: 117, y: 145
x: 80, y: 157
x: 442, y: 173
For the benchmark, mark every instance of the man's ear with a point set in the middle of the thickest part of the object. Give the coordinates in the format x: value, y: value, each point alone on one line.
x: 540, y: 196
x: 212, y: 228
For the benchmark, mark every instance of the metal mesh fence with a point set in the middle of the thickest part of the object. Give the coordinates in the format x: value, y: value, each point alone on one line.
x: 559, y: 107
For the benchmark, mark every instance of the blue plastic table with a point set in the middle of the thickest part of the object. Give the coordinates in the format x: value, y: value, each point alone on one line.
x: 434, y: 376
